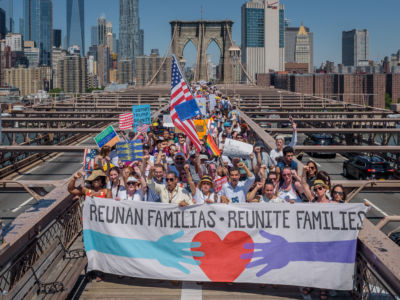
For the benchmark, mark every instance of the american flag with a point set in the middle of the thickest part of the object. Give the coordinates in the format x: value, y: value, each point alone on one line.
x: 126, y: 121
x: 89, y: 159
x: 143, y: 128
x: 180, y: 93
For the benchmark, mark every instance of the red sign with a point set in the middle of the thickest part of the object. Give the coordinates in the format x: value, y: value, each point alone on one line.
x: 219, y: 183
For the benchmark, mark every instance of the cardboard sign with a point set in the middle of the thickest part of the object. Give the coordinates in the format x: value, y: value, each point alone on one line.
x: 201, y: 127
x: 219, y: 183
x: 167, y: 121
x: 108, y: 137
x: 233, y: 148
x: 141, y: 115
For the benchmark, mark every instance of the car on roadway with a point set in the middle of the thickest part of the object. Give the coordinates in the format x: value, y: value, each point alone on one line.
x: 367, y: 167
x: 320, y: 140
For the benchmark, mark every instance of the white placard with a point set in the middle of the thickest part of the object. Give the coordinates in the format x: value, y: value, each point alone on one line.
x: 167, y: 121
x: 233, y: 148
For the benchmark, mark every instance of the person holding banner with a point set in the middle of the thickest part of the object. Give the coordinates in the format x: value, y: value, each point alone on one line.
x: 172, y: 193
x: 203, y: 193
x: 97, y: 185
x: 290, y: 188
x: 115, y: 183
x: 235, y: 191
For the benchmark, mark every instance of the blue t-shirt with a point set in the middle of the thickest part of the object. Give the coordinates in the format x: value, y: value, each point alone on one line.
x: 282, y: 164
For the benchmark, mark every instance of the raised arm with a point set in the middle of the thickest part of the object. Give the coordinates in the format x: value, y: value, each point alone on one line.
x: 190, y: 180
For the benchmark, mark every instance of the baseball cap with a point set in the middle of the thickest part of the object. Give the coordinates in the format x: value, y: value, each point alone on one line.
x: 227, y: 124
x: 180, y: 154
x: 131, y: 179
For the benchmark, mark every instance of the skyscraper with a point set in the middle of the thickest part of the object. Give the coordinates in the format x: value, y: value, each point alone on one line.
x: 7, y: 6
x: 94, y: 36
x: 3, y: 28
x: 76, y: 24
x: 38, y: 22
x: 261, y: 31
x: 57, y: 38
x: 355, y: 47
x: 101, y: 30
x: 296, y: 40
x: 129, y: 31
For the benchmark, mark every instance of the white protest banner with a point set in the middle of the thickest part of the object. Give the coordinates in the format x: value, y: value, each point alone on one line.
x: 167, y: 121
x: 305, y: 244
x: 213, y: 102
x: 233, y: 148
x: 202, y: 104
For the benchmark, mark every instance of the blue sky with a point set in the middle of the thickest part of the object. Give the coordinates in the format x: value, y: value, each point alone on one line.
x: 327, y: 19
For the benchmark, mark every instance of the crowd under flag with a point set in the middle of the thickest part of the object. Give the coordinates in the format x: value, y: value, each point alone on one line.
x: 126, y: 121
x: 180, y: 93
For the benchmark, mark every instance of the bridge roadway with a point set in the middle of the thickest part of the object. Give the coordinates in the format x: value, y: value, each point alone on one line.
x: 63, y: 165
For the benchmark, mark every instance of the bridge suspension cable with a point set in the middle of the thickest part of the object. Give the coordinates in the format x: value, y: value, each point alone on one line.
x: 164, y: 60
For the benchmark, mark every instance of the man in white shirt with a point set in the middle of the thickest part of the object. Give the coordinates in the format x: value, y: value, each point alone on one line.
x: 235, y: 191
x: 172, y: 193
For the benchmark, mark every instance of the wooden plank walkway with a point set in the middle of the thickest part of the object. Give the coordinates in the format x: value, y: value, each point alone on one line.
x: 135, y: 288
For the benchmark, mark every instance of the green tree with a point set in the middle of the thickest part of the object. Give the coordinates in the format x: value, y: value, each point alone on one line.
x: 56, y: 91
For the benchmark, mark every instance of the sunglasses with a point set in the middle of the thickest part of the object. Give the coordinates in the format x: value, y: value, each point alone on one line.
x: 339, y: 193
x: 286, y: 175
x: 272, y: 178
x: 169, y: 179
x: 319, y: 188
x: 131, y: 183
x: 311, y: 168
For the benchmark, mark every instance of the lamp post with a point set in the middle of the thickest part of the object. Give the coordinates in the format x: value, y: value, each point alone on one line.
x: 234, y: 52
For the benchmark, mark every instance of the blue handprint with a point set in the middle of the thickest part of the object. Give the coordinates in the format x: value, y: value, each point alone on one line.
x: 277, y: 253
x: 168, y: 252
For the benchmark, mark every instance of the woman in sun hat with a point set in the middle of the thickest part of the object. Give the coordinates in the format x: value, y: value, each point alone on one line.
x: 204, y: 192
x: 96, y: 185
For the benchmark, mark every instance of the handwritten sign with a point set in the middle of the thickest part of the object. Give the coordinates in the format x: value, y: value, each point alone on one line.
x: 108, y: 137
x: 141, y: 115
x: 219, y: 183
x: 201, y: 127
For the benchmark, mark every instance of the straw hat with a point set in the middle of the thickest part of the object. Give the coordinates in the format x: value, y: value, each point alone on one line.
x: 320, y: 182
x: 207, y: 178
x: 95, y: 174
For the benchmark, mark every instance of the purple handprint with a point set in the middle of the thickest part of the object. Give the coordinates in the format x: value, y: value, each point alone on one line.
x: 278, y: 252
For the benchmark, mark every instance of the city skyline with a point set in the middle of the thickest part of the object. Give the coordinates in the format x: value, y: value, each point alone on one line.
x: 327, y: 20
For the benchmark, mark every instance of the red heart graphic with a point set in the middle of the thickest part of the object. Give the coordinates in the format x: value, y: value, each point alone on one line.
x: 221, y: 261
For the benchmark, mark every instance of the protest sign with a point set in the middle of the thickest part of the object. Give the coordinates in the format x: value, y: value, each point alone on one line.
x: 219, y: 183
x: 167, y: 121
x: 89, y: 159
x: 202, y: 104
x: 125, y: 121
x: 130, y: 151
x: 108, y: 137
x: 141, y: 115
x: 233, y: 148
x: 213, y: 102
x: 265, y: 243
x: 201, y: 127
